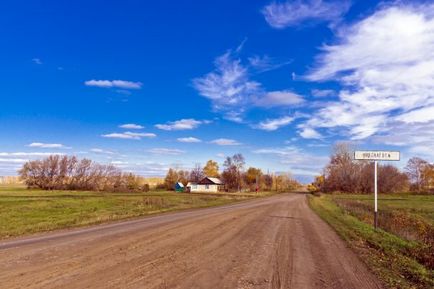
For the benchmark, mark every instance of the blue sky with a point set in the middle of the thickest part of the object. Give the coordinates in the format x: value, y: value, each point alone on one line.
x: 147, y: 85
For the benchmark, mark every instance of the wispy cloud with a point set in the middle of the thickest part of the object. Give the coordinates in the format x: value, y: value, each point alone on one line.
x: 102, y: 151
x: 183, y: 124
x: 124, y: 84
x: 323, y: 92
x: 129, y: 135
x: 189, y: 139
x: 13, y: 161
x: 232, y: 91
x: 279, y: 98
x: 225, y: 142
x: 131, y: 126
x: 37, y: 61
x: 274, y: 124
x: 166, y: 151
x: 295, y: 12
x: 228, y: 86
x: 299, y: 161
x: 309, y: 133
x: 266, y: 63
x: 28, y: 154
x: 221, y: 155
x: 385, y: 64
x: 48, y: 145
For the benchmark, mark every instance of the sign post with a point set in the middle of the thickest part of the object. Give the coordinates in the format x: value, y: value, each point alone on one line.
x: 376, y: 156
x: 375, y: 194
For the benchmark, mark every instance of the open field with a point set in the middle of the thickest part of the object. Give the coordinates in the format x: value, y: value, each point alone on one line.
x: 275, y: 242
x: 24, y: 211
x: 402, y: 251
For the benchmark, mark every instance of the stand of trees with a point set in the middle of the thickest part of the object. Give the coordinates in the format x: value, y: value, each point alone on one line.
x: 420, y: 174
x: 234, y: 175
x: 69, y: 173
x: 344, y: 174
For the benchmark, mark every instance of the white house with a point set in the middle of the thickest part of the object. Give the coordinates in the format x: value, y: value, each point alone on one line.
x: 208, y: 184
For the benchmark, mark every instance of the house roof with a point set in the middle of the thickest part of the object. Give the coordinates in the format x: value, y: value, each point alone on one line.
x: 208, y: 180
x: 180, y: 184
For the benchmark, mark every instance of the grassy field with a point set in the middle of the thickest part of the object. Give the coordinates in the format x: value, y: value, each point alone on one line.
x: 24, y: 211
x: 401, y: 253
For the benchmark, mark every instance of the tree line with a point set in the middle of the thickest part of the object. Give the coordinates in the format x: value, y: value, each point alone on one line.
x: 70, y: 173
x: 234, y: 176
x: 57, y: 172
x: 344, y: 174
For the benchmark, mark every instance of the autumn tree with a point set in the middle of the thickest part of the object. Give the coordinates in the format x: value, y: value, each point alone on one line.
x: 342, y: 173
x: 414, y: 169
x: 232, y: 174
x: 285, y: 182
x: 428, y: 176
x: 345, y: 174
x: 211, y: 169
x: 267, y: 181
x: 197, y: 174
x: 68, y: 173
x: 183, y: 176
x: 253, y: 178
x: 171, y: 179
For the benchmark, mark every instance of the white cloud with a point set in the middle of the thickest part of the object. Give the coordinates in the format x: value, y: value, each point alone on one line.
x: 274, y: 124
x: 309, y: 133
x: 279, y: 98
x: 232, y: 92
x: 385, y: 64
x: 228, y: 86
x: 114, y: 83
x: 47, y: 145
x: 417, y: 135
x: 131, y: 126
x: 13, y: 161
x: 189, y: 139
x: 299, y: 161
x: 28, y: 154
x: 292, y: 13
x: 119, y: 163
x: 37, y: 61
x: 265, y: 63
x: 424, y: 114
x: 323, y: 92
x: 129, y: 135
x: 183, y: 124
x: 225, y: 142
x: 102, y: 151
x: 166, y: 151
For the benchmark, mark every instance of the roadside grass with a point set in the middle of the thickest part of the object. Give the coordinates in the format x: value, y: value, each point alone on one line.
x: 24, y: 211
x: 399, y: 261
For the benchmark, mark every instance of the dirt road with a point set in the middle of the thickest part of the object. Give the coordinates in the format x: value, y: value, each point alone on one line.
x: 276, y: 242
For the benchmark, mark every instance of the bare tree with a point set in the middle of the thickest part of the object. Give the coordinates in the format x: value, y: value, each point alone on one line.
x: 196, y: 174
x: 414, y: 168
x: 232, y: 173
x: 63, y: 172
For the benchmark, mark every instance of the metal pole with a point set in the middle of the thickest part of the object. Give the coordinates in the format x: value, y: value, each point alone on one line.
x: 375, y: 196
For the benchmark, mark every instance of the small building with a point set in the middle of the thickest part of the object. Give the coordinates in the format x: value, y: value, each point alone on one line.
x: 208, y: 184
x: 179, y: 187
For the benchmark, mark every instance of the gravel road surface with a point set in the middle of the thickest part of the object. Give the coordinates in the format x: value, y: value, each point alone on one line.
x: 275, y: 242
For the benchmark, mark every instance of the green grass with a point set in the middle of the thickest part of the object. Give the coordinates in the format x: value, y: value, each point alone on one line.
x: 24, y: 211
x: 415, y: 205
x: 394, y: 259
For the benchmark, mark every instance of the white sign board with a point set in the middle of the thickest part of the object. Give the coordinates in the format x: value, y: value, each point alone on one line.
x: 377, y: 155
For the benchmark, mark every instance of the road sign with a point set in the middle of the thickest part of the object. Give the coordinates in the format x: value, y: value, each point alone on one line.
x: 377, y: 155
